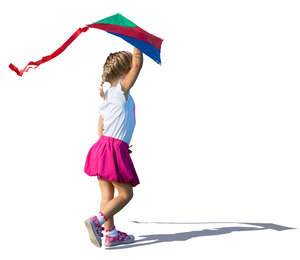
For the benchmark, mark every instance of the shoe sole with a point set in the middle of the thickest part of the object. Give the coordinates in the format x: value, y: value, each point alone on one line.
x: 120, y: 243
x: 92, y: 235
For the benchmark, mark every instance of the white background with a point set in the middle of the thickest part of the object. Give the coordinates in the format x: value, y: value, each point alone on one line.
x: 216, y: 139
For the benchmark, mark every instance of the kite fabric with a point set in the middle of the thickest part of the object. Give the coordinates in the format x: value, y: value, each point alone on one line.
x: 117, y: 25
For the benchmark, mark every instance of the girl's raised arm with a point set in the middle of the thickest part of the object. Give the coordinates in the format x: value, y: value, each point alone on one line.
x: 131, y: 76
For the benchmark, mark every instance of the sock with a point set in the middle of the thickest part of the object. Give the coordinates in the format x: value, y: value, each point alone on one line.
x: 112, y: 232
x: 101, y: 218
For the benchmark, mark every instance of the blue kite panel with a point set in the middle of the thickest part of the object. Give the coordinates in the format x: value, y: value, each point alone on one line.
x: 143, y: 46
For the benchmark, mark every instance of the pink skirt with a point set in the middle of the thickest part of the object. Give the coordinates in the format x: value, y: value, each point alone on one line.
x: 109, y: 159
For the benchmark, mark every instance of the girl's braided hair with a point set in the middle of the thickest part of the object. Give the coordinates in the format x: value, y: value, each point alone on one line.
x: 116, y: 65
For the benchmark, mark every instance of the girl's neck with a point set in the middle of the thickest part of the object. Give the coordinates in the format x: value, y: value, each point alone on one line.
x: 115, y: 83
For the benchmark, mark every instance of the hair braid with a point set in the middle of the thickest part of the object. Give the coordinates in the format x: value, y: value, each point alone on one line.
x: 116, y: 65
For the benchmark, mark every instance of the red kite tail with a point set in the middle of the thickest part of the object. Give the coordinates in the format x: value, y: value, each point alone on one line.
x: 51, y: 56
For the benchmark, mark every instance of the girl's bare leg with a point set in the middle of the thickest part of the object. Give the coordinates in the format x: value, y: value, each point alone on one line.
x: 107, y: 194
x: 111, y: 207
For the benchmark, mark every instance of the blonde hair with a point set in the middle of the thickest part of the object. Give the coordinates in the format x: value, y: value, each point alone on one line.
x: 116, y: 65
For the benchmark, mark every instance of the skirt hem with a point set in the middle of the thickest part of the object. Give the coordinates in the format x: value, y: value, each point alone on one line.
x: 113, y: 179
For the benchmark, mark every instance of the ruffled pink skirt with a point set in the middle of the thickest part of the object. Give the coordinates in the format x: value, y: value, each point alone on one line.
x: 109, y: 159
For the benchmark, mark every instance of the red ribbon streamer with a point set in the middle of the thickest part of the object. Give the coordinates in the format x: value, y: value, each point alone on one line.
x: 51, y: 56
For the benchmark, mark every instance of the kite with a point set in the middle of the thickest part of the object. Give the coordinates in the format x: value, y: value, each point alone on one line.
x: 117, y: 25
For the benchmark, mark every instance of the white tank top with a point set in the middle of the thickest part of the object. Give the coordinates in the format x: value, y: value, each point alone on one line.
x: 117, y: 113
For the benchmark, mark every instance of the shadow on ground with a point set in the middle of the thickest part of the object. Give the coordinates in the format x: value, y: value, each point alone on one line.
x: 183, y: 236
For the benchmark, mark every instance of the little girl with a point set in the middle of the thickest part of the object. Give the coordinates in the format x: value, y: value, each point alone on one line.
x: 109, y: 158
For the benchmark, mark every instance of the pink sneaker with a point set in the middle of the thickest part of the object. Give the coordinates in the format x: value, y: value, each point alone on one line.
x: 121, y: 238
x: 95, y: 230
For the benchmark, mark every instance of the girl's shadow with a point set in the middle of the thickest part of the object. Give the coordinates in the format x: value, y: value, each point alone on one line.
x: 183, y: 236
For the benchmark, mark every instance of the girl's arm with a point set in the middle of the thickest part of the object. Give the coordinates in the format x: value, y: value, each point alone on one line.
x: 131, y: 76
x: 100, y: 126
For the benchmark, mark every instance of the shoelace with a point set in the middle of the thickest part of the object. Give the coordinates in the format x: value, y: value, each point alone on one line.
x: 99, y: 230
x: 123, y: 234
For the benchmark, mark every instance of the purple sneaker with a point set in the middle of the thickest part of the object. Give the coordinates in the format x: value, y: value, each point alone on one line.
x: 121, y: 238
x: 95, y: 230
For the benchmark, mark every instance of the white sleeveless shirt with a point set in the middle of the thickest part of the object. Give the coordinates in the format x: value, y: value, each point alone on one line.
x: 118, y: 113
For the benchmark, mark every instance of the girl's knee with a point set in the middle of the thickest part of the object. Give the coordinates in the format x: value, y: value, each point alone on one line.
x: 130, y: 195
x: 127, y: 195
x: 125, y: 190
